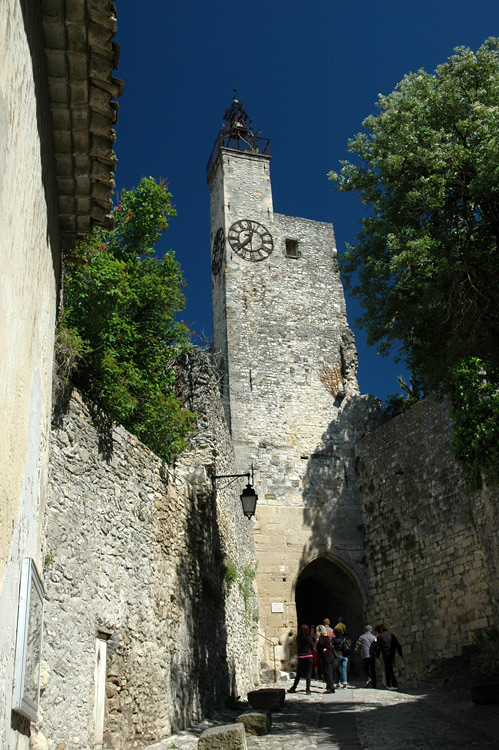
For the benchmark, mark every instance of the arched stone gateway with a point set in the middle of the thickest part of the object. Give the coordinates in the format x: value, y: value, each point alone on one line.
x: 328, y: 587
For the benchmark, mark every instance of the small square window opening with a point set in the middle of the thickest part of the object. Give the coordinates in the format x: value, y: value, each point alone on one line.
x: 292, y: 249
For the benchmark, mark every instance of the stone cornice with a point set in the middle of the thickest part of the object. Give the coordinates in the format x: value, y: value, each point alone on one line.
x: 80, y: 57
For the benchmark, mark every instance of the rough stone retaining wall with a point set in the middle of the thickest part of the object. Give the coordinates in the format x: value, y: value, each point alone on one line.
x: 428, y: 576
x: 134, y: 552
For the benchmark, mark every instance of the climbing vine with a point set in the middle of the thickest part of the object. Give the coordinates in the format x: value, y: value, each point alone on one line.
x: 247, y: 592
x: 244, y: 580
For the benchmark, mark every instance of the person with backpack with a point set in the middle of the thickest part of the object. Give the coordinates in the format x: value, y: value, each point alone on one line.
x: 342, y: 650
x: 388, y: 645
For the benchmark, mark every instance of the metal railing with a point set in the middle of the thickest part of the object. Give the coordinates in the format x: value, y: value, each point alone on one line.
x: 250, y: 143
x: 273, y: 652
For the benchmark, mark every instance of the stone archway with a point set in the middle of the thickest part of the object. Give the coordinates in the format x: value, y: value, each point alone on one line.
x: 327, y: 588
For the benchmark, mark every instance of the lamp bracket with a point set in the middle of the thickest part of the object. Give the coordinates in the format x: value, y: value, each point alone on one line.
x: 229, y: 476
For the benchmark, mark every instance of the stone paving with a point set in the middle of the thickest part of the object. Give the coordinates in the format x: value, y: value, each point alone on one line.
x: 415, y: 718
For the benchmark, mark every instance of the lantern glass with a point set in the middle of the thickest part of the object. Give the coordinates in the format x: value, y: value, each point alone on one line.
x: 248, y: 500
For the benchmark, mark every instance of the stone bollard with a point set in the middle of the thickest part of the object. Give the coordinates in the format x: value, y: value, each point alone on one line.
x: 256, y: 722
x: 270, y: 698
x: 226, y: 737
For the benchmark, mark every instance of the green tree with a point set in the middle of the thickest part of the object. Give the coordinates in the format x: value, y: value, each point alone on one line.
x: 120, y: 302
x: 425, y: 265
x: 475, y: 399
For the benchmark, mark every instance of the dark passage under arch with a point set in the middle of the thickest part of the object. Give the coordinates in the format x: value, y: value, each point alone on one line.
x: 326, y: 589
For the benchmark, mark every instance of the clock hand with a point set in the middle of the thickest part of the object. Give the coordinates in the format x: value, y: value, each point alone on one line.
x: 242, y: 244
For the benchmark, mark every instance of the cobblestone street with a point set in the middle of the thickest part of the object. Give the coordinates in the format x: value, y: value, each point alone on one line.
x: 417, y: 718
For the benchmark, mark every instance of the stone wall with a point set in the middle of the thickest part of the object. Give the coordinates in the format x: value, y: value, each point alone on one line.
x: 485, y: 516
x: 288, y: 363
x: 29, y: 277
x: 428, y: 576
x: 135, y: 555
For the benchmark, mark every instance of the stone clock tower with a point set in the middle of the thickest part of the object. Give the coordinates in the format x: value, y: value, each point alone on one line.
x: 287, y: 363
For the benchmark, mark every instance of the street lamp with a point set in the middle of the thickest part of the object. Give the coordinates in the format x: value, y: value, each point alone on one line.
x: 248, y: 495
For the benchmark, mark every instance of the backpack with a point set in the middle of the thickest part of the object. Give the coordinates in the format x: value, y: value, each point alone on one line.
x: 345, y: 647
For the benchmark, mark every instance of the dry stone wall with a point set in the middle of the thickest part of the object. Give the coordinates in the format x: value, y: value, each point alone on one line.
x: 428, y: 576
x: 135, y: 555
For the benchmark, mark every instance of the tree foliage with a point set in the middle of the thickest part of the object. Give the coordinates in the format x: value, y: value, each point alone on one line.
x: 475, y: 411
x: 120, y: 300
x: 425, y: 265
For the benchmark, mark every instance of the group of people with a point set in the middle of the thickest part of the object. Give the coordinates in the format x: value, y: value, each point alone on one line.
x: 326, y: 651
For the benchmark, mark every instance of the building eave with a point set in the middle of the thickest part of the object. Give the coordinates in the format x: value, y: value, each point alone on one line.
x: 81, y: 56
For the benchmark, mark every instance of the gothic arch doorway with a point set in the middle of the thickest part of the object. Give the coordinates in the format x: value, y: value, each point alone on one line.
x: 326, y: 588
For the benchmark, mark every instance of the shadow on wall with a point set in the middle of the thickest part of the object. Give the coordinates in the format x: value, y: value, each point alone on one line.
x: 332, y: 579
x: 192, y: 630
x: 203, y: 672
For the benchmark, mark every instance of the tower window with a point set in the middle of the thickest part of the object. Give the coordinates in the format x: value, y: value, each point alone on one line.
x: 292, y: 249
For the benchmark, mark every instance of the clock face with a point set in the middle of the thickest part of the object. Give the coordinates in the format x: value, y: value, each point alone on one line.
x: 218, y: 251
x: 250, y: 240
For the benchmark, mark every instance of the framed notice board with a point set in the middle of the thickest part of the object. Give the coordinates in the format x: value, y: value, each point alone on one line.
x: 26, y: 696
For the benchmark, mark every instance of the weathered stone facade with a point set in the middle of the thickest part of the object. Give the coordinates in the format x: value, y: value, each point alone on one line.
x: 135, y: 555
x: 29, y: 275
x: 288, y: 364
x: 288, y: 368
x: 37, y: 197
x: 430, y: 575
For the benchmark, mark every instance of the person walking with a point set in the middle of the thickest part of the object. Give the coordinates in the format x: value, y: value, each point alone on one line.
x: 327, y: 625
x: 366, y: 644
x: 305, y: 649
x: 326, y: 656
x: 388, y: 645
x: 340, y: 625
x: 314, y: 653
x: 342, y: 649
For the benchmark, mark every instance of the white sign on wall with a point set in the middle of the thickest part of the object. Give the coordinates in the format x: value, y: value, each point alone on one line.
x: 26, y: 697
x: 277, y: 607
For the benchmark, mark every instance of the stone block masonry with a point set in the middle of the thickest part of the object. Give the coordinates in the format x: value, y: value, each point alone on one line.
x: 135, y: 555
x: 428, y: 575
x: 288, y: 364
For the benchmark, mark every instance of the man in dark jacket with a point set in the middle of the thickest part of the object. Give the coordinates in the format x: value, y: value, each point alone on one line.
x: 388, y: 644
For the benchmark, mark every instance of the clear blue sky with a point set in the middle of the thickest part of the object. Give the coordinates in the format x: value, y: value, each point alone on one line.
x: 308, y: 73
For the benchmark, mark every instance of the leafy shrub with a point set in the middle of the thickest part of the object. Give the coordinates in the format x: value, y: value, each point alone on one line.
x: 120, y: 302
x: 474, y: 393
